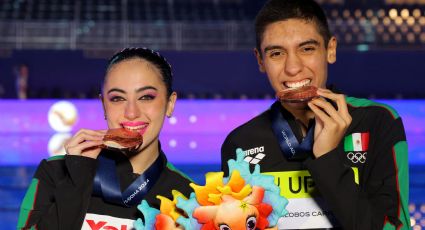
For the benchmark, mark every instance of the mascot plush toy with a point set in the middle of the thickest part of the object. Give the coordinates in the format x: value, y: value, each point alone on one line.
x: 242, y: 201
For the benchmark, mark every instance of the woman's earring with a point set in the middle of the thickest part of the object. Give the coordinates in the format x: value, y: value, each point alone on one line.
x: 104, y: 116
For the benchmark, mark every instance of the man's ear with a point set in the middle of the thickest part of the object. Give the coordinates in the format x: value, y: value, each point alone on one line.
x: 171, y: 103
x: 332, y: 44
x: 259, y: 60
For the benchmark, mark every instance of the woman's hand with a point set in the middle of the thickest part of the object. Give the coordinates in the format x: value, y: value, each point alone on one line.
x: 331, y: 122
x: 85, y: 143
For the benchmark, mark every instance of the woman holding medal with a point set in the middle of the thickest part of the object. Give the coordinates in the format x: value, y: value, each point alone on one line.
x: 340, y: 161
x: 93, y: 187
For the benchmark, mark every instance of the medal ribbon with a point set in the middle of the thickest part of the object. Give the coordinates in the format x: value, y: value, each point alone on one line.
x: 289, y: 145
x: 106, y: 182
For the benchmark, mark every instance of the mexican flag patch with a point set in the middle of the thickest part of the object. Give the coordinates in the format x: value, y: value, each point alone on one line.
x: 356, y: 142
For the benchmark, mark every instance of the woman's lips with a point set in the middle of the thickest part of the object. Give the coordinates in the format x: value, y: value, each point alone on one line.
x: 139, y: 127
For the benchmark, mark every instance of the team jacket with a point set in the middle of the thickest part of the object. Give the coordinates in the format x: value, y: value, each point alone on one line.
x: 362, y: 184
x: 60, y: 195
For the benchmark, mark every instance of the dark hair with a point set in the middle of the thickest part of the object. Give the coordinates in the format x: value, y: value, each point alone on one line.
x: 149, y: 55
x: 280, y: 10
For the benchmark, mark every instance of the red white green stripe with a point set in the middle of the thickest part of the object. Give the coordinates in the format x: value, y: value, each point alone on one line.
x: 360, y: 102
x: 356, y: 142
x: 400, y: 157
x: 27, y: 205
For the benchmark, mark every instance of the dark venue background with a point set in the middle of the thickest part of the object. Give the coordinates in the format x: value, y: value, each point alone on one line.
x: 203, y: 74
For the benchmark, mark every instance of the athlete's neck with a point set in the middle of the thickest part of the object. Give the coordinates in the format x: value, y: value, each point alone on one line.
x: 301, y: 113
x: 141, y: 161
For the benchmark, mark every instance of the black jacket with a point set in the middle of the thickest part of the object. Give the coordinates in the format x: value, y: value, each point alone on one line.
x: 60, y: 194
x: 363, y: 188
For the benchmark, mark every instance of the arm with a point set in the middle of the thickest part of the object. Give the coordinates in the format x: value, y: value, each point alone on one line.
x: 381, y: 198
x: 58, y: 194
x: 62, y: 182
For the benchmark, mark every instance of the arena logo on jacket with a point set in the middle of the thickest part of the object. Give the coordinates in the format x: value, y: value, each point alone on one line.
x: 254, y: 155
x: 103, y: 222
x: 356, y: 146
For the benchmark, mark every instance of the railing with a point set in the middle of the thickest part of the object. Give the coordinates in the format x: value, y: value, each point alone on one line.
x: 228, y: 35
x: 115, y: 35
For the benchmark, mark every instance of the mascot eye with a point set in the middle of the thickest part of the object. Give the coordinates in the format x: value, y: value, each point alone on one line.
x: 224, y: 227
x: 251, y: 222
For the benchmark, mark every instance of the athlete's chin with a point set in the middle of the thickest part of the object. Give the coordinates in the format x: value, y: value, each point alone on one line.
x: 296, y: 105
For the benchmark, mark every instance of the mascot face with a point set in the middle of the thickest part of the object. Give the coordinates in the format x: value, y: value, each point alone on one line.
x: 236, y: 215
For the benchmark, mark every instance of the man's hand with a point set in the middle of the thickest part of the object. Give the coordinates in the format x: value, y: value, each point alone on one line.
x: 331, y: 122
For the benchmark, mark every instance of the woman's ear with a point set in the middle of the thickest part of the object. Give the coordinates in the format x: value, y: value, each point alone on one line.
x: 170, y: 105
x: 103, y: 105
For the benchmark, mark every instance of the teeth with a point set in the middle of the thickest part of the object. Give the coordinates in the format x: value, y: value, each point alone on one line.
x: 133, y: 128
x: 297, y: 84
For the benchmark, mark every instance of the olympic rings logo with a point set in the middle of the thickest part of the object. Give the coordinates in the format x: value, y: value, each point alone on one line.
x: 357, y: 157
